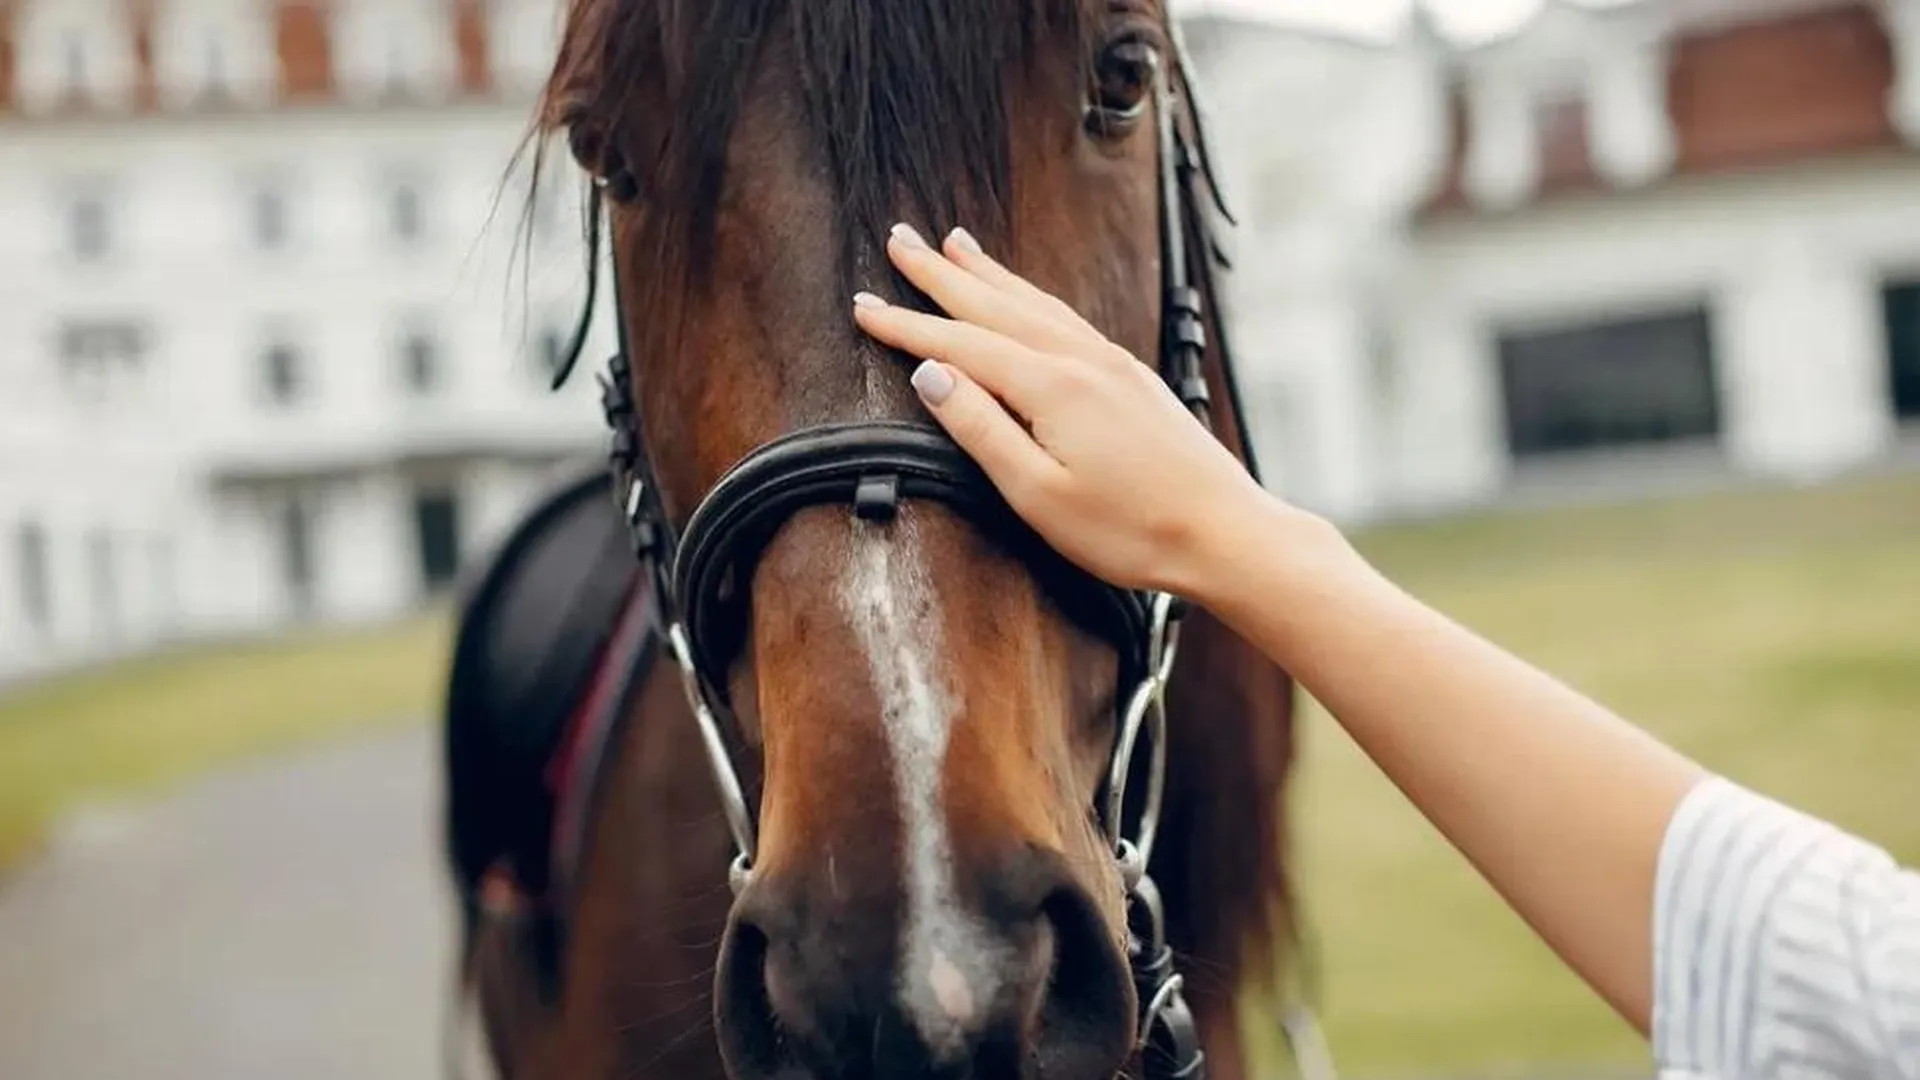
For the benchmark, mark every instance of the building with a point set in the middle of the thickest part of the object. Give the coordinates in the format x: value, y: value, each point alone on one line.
x: 263, y: 356
x: 266, y: 356
x: 1664, y: 244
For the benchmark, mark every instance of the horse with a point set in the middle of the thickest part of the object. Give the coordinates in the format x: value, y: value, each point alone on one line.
x: 789, y: 752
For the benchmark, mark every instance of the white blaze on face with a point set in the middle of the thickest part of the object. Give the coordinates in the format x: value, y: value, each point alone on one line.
x: 948, y: 961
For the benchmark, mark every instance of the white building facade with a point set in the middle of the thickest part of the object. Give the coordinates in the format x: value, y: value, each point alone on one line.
x: 269, y: 353
x: 1660, y: 245
x: 266, y: 356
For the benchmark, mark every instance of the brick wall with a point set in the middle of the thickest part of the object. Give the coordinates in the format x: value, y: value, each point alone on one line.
x: 1806, y: 86
x: 1799, y: 87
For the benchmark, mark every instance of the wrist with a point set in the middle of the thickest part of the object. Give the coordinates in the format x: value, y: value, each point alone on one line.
x: 1258, y: 552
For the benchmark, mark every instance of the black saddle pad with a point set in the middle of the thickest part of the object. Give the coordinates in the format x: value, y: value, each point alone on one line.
x: 531, y: 629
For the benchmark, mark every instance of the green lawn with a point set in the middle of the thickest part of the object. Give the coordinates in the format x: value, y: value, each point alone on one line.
x: 108, y: 733
x: 1775, y: 636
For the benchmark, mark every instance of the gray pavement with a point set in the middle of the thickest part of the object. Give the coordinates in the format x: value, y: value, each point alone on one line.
x: 287, y: 920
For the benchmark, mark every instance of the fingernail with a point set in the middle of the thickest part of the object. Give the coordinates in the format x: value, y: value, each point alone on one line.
x: 910, y: 237
x: 965, y: 241
x: 868, y: 300
x: 933, y: 381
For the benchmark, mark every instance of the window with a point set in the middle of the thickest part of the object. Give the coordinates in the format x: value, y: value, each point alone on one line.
x: 89, y: 233
x: 160, y: 563
x: 217, y: 86
x: 394, y: 87
x: 296, y: 555
x: 1626, y: 382
x: 406, y: 218
x: 436, y: 516
x: 1901, y: 306
x: 269, y: 218
x: 282, y: 373
x: 551, y: 351
x: 420, y: 362
x: 106, y: 584
x: 74, y: 64
x: 1566, y: 157
x: 1383, y: 363
x: 96, y: 355
x: 36, y: 580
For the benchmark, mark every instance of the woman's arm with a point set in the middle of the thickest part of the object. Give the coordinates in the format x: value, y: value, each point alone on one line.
x: 1560, y: 804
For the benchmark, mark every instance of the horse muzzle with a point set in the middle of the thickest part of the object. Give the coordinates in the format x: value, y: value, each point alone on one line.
x: 1030, y: 983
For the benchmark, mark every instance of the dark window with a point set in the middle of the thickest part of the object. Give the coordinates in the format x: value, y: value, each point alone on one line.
x: 89, y: 233
x: 1902, y: 306
x: 436, y: 517
x: 552, y: 351
x: 420, y: 361
x: 283, y: 373
x: 408, y: 222
x: 106, y: 582
x: 269, y: 219
x: 36, y: 579
x: 296, y: 555
x: 1620, y: 383
x: 95, y: 354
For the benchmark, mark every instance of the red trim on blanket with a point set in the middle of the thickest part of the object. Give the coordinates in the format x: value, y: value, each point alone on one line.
x: 575, y: 759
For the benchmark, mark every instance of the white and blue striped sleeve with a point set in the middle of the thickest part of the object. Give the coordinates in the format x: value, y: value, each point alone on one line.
x: 1784, y: 948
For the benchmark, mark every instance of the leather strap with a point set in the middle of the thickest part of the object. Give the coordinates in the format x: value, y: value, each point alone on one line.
x: 870, y: 466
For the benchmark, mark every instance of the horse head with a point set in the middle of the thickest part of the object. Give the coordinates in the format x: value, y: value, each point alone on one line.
x: 930, y: 702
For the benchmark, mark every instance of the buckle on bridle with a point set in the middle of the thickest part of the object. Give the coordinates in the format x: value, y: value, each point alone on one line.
x: 1169, y: 1039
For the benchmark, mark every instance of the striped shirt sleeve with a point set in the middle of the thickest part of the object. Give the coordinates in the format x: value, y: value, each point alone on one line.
x: 1783, y: 947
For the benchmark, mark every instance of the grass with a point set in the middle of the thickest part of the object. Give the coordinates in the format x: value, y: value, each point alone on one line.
x: 1774, y: 636
x: 106, y: 734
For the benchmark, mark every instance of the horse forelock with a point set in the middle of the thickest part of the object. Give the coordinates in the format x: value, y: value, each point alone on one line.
x: 907, y: 106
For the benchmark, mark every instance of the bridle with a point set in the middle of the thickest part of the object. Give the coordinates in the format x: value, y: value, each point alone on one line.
x: 699, y: 571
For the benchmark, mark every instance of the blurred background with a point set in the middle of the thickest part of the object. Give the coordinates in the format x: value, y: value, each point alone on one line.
x: 1599, y: 324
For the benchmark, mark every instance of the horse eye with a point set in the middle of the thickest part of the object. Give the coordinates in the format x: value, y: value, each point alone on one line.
x: 1122, y: 76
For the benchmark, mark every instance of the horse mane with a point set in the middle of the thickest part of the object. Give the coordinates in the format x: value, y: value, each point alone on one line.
x: 901, y: 103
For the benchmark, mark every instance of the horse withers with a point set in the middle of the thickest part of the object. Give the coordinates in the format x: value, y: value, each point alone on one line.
x: 919, y: 708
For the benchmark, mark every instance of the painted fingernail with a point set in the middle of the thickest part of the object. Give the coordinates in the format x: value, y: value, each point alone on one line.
x: 910, y: 237
x: 933, y: 381
x: 964, y: 241
x: 868, y: 300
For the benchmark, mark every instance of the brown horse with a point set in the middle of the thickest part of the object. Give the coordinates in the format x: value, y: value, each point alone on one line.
x: 927, y: 723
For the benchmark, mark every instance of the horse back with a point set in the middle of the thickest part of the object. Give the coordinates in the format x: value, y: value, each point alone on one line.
x: 531, y: 630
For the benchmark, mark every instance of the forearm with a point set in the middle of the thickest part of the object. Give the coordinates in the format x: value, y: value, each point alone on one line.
x: 1558, y: 803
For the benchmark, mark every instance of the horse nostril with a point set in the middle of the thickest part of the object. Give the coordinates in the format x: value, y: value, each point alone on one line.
x: 806, y: 990
x: 749, y: 1035
x: 1086, y: 1007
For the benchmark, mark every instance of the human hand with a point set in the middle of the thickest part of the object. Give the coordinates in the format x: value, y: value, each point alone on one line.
x: 1110, y: 468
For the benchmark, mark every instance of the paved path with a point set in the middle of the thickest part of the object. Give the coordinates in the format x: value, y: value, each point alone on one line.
x: 285, y: 921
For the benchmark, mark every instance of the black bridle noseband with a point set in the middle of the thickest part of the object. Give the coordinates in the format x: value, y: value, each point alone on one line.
x: 699, y: 572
